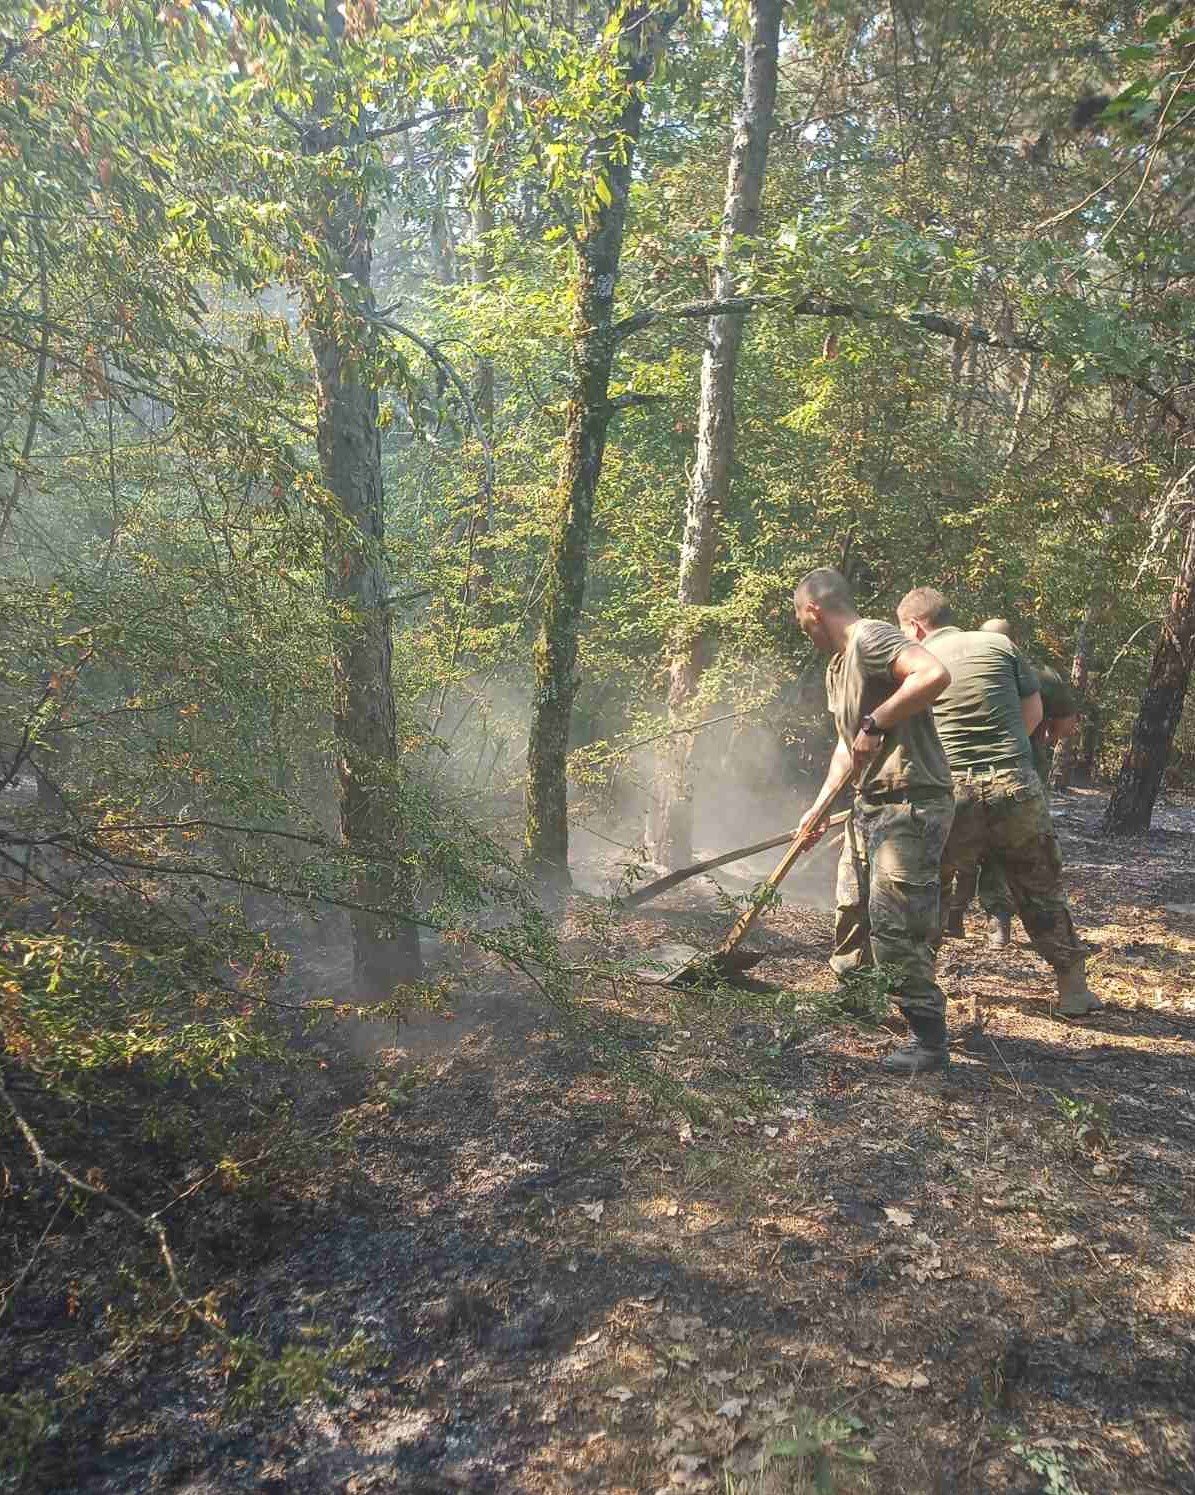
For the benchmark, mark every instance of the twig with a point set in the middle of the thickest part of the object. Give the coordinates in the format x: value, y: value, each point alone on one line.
x: 1011, y: 1076
x: 1115, y: 177
x: 10, y: 1293
x: 713, y: 721
x: 1124, y: 649
x: 458, y: 384
x: 1150, y: 158
x: 918, y: 321
x: 442, y: 363
x: 17, y: 45
x: 45, y: 1163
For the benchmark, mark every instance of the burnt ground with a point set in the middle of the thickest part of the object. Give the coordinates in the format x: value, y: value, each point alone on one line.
x: 819, y: 1278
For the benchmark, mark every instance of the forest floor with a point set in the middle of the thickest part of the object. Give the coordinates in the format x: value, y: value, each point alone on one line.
x: 824, y: 1279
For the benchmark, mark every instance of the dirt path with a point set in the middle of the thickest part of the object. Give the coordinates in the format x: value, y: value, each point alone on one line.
x: 829, y: 1280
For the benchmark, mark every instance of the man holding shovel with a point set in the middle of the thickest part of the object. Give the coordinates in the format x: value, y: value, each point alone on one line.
x: 881, y: 688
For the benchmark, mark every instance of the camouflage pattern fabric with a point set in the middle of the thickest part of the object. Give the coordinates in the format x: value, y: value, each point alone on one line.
x: 989, y: 879
x: 888, y: 897
x: 1004, y: 816
x: 995, y: 894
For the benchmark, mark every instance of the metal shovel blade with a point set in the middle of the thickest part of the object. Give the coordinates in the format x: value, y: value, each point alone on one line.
x: 680, y: 965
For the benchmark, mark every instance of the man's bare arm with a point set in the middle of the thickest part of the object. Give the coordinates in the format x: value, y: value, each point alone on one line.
x: 839, y: 763
x: 920, y: 680
x: 1031, y: 711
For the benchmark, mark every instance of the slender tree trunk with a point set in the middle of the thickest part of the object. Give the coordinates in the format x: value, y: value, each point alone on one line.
x: 1066, y: 754
x: 483, y: 373
x: 971, y: 379
x: 957, y: 352
x: 670, y: 821
x: 1132, y: 804
x: 1024, y: 402
x: 482, y: 275
x: 587, y: 420
x: 385, y: 949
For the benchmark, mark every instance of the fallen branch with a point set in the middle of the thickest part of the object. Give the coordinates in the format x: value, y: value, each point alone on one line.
x: 145, y: 1223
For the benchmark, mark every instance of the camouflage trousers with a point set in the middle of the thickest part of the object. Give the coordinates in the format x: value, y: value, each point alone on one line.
x: 989, y: 879
x: 1003, y: 816
x: 888, y: 896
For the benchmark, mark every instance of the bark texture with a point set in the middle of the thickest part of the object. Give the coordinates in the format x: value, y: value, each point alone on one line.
x: 670, y: 819
x: 1024, y: 404
x: 1067, y: 753
x: 385, y: 949
x: 587, y: 420
x: 1132, y: 804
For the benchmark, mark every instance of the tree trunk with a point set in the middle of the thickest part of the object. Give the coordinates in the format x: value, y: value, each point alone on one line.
x: 482, y: 223
x: 482, y: 275
x: 1024, y: 402
x: 670, y: 820
x: 1132, y: 804
x: 587, y: 420
x: 385, y: 950
x: 1066, y: 754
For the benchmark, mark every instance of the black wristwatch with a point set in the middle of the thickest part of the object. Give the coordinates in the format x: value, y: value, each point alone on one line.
x: 867, y: 726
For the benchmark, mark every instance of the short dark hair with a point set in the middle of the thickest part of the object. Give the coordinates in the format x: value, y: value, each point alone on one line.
x: 926, y: 605
x: 828, y: 588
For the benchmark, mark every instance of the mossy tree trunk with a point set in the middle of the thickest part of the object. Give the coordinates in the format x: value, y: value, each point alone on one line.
x: 670, y: 820
x: 587, y: 420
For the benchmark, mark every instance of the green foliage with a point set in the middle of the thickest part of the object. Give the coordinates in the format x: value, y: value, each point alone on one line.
x: 27, y: 1421
x: 173, y: 620
x: 1086, y: 1125
x: 302, y: 1369
x: 1057, y: 1478
x: 825, y: 1449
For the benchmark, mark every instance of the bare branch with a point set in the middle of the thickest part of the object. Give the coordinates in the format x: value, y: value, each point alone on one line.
x: 47, y: 1164
x: 414, y: 122
x: 918, y: 321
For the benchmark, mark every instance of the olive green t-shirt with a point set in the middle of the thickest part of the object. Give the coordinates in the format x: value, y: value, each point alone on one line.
x: 1057, y: 699
x: 978, y: 715
x: 857, y: 681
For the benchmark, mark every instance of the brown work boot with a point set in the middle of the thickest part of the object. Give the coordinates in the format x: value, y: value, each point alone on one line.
x: 925, y: 1052
x: 1075, y: 997
x: 952, y: 928
x: 1000, y: 931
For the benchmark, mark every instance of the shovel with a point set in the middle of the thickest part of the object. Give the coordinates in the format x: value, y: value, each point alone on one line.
x: 652, y: 890
x: 672, y: 965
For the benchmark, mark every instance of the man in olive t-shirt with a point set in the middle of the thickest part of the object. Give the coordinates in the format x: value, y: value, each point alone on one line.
x: 1060, y: 719
x: 984, y: 718
x: 880, y: 689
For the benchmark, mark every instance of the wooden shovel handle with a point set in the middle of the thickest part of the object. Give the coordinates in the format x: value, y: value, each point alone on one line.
x: 800, y: 845
x: 662, y: 884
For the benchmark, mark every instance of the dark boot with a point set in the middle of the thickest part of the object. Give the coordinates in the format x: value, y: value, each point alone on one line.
x: 926, y: 1050
x: 1000, y: 931
x: 953, y: 929
x: 1075, y: 997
